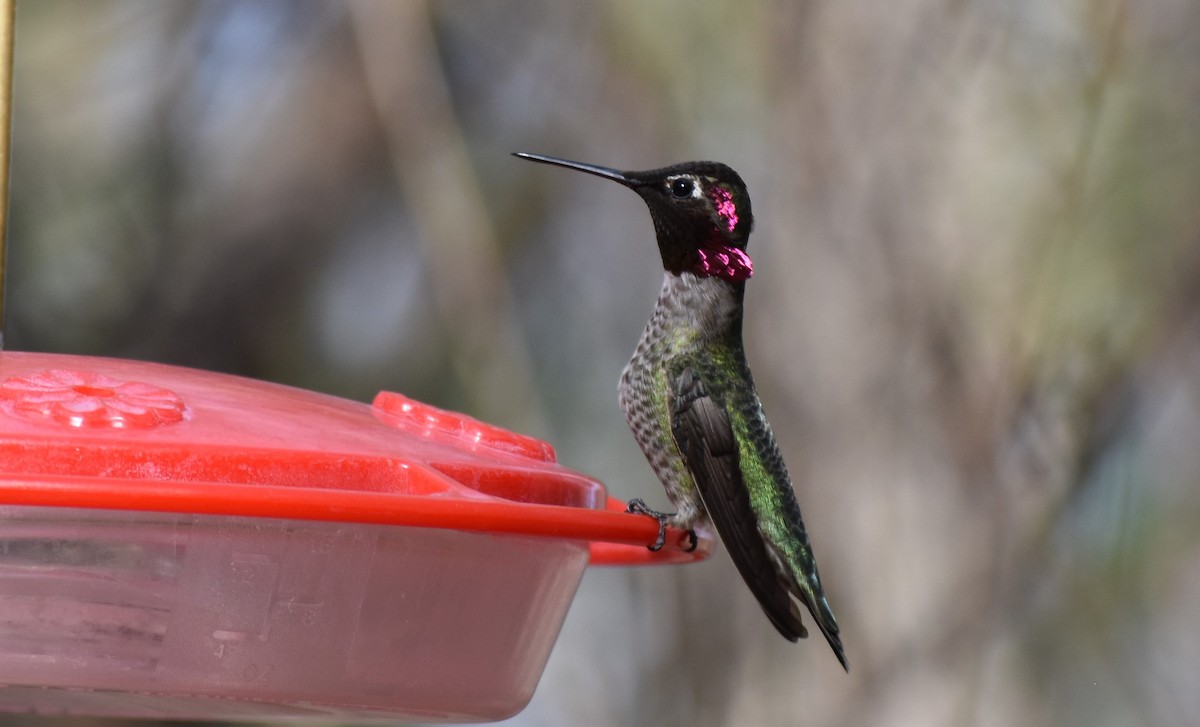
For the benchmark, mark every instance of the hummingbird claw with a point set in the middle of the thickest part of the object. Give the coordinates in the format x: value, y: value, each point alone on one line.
x: 695, y: 542
x: 637, y: 506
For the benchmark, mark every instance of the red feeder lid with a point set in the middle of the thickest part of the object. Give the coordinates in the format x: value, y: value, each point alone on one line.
x: 90, y: 432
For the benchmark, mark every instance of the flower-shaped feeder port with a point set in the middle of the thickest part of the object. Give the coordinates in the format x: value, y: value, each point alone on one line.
x: 88, y: 399
x: 178, y: 543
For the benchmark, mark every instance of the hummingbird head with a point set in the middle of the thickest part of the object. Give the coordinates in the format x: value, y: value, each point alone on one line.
x: 701, y: 214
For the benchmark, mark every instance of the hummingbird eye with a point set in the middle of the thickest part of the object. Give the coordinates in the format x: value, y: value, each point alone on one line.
x: 682, y: 188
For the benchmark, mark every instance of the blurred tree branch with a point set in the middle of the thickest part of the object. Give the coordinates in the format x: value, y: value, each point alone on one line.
x: 435, y: 175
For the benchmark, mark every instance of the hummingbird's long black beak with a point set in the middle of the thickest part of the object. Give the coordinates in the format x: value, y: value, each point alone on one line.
x: 614, y: 174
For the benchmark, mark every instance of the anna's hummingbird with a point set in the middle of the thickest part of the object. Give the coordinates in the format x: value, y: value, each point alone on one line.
x: 690, y: 400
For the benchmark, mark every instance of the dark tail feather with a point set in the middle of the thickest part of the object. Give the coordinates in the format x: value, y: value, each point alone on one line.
x: 830, y: 630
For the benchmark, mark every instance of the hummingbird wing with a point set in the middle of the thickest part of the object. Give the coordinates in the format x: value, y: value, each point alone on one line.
x: 705, y: 437
x: 703, y: 429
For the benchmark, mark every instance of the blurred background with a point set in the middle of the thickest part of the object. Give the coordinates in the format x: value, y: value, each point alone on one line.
x: 975, y: 319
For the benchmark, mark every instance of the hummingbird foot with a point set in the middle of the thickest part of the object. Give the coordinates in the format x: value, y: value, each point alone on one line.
x: 637, y: 506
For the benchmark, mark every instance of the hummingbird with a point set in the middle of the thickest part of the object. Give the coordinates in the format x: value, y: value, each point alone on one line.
x: 690, y: 400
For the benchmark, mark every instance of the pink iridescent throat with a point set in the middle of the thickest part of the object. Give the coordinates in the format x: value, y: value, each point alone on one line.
x: 717, y: 259
x: 723, y: 261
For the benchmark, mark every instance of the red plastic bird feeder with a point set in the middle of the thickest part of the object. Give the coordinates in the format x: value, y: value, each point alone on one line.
x: 178, y: 543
